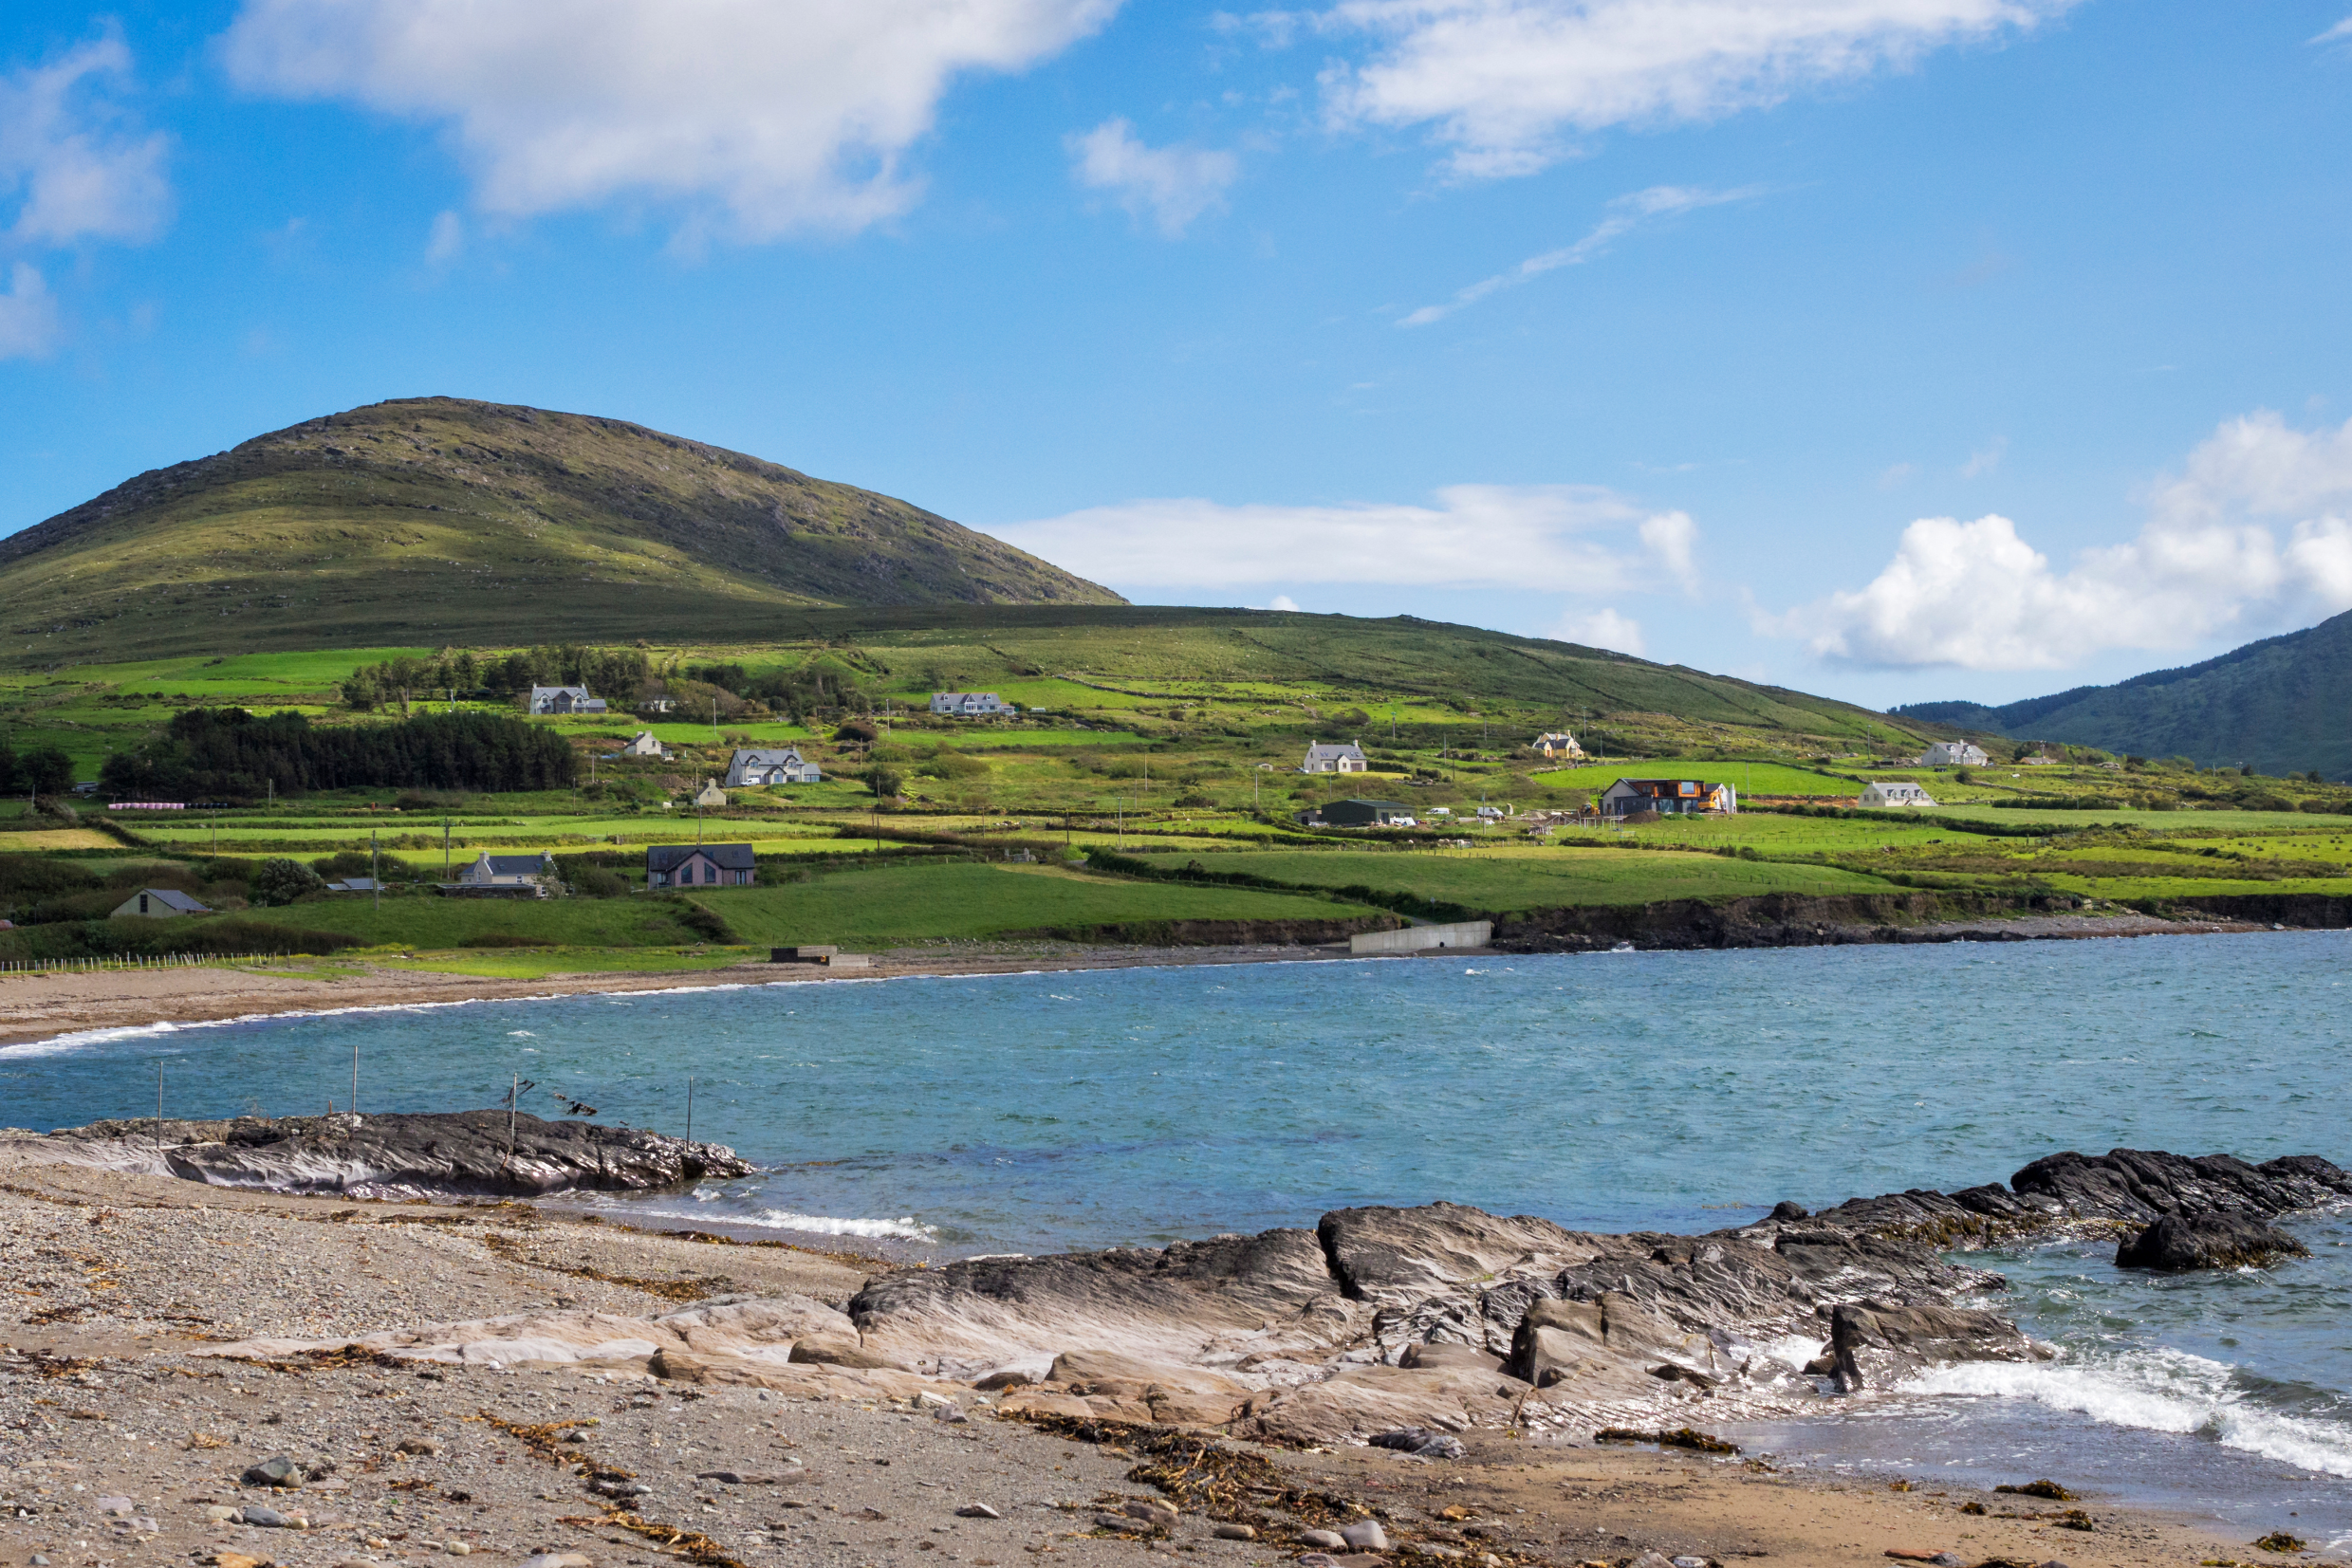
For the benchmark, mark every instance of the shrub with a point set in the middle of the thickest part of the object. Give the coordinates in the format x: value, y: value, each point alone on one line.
x: 885, y: 783
x: 504, y: 939
x: 707, y: 923
x: 860, y: 732
x: 279, y: 880
x: 595, y: 882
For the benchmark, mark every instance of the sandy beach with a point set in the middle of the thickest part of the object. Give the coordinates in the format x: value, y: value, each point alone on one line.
x: 119, y: 1285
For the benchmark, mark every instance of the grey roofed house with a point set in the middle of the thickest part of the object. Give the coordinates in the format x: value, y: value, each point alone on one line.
x: 508, y: 870
x: 701, y: 865
x: 644, y: 743
x: 158, y: 904
x: 565, y: 699
x: 356, y: 884
x: 965, y: 704
x: 1334, y: 757
x: 1893, y: 792
x: 775, y: 766
x: 1953, y: 753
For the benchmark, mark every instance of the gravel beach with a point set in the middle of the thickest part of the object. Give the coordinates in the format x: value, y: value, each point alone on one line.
x: 123, y: 1442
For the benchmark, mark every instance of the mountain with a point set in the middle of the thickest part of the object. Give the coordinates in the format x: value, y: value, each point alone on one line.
x: 432, y: 520
x: 2279, y: 704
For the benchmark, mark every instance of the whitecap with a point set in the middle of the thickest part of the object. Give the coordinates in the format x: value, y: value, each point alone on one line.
x: 2165, y: 1390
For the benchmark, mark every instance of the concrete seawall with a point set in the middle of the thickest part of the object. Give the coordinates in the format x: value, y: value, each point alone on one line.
x: 1467, y: 934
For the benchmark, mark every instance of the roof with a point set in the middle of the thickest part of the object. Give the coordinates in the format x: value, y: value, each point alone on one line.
x: 960, y: 696
x: 575, y: 691
x: 1375, y: 805
x: 763, y: 757
x: 1667, y: 786
x: 1334, y: 749
x: 516, y: 865
x: 725, y: 857
x: 171, y: 899
x: 1553, y: 736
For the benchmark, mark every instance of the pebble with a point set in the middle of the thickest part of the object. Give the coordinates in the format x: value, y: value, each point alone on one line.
x: 1235, y: 1532
x: 1702, y: 1562
x: 1367, y: 1535
x: 458, y: 1549
x: 277, y: 1472
x: 556, y: 1560
x: 978, y: 1510
x: 117, y: 1505
x: 219, y: 1515
x: 269, y: 1519
x: 1327, y: 1540
x: 1316, y: 1559
x: 1150, y: 1510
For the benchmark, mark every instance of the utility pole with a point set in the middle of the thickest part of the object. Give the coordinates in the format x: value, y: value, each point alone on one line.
x: 375, y: 872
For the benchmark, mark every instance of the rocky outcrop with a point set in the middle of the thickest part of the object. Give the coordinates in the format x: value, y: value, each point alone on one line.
x: 2179, y: 1243
x: 464, y: 1153
x: 1442, y: 1317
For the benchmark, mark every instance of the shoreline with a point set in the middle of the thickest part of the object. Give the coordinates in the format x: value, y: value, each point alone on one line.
x: 106, y: 1388
x: 49, y: 1007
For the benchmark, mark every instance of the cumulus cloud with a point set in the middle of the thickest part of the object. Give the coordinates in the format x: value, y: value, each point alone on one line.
x: 1566, y: 538
x: 71, y: 159
x: 27, y: 316
x: 1170, y: 185
x: 2255, y: 531
x: 1601, y: 628
x: 1505, y: 83
x: 1626, y: 214
x: 1282, y: 602
x: 759, y: 117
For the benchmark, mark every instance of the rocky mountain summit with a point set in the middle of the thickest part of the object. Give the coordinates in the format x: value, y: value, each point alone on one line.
x: 456, y: 1154
x: 1385, y: 1323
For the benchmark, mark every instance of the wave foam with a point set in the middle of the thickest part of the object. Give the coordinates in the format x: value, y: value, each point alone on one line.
x: 2163, y: 1390
x: 904, y: 1229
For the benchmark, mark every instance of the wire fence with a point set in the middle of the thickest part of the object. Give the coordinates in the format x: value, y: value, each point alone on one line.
x: 129, y: 961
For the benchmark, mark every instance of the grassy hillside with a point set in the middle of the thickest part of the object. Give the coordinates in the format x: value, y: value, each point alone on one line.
x: 438, y: 520
x: 2276, y: 705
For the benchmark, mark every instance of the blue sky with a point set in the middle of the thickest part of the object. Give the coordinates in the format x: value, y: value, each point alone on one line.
x: 1896, y: 349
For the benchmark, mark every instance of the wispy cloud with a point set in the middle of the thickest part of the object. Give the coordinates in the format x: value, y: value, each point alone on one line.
x: 29, y: 326
x: 1170, y: 185
x: 2336, y: 34
x: 447, y: 241
x: 1985, y: 458
x: 1625, y: 214
x: 1603, y: 628
x: 1505, y: 84
x: 1566, y: 537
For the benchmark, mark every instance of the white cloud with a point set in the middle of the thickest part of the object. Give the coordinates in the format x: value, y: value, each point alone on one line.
x: 447, y: 241
x: 1173, y: 185
x: 1504, y: 82
x: 1625, y: 213
x: 2340, y: 31
x: 1282, y: 602
x: 760, y: 117
x: 1601, y: 628
x: 1977, y: 595
x: 70, y: 158
x: 29, y: 326
x: 1566, y: 538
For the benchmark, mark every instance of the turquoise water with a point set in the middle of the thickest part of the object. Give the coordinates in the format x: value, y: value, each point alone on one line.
x: 1672, y: 1091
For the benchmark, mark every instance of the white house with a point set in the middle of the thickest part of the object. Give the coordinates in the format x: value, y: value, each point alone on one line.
x: 1333, y: 757
x: 1894, y: 792
x: 965, y: 705
x: 1667, y: 797
x: 1557, y: 742
x: 508, y: 870
x: 645, y: 745
x: 565, y: 699
x: 749, y: 769
x: 1954, y: 754
x: 158, y: 904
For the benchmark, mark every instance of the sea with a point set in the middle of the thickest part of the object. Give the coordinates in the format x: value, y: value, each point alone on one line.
x: 1671, y: 1091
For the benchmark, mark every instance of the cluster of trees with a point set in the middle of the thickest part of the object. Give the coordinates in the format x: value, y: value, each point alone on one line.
x: 227, y: 752
x: 607, y: 671
x: 47, y: 771
x: 811, y: 691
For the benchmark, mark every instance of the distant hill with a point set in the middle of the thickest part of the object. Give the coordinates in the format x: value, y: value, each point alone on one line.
x: 432, y: 520
x: 2283, y: 704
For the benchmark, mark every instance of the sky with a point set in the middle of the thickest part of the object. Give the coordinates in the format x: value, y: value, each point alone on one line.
x: 1897, y: 350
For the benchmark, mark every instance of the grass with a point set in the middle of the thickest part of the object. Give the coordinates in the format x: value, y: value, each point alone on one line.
x: 1507, y: 881
x: 541, y: 962
x: 422, y: 920
x: 1747, y: 778
x: 914, y: 901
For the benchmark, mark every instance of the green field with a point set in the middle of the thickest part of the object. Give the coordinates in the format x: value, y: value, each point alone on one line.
x: 1746, y: 778
x: 1503, y: 882
x: 893, y: 906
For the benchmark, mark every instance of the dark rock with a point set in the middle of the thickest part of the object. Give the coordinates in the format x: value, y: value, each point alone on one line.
x: 1421, y: 1443
x: 2176, y: 1244
x: 269, y: 1519
x: 277, y: 1472
x: 404, y: 1155
x: 978, y: 1510
x: 1786, y: 1211
x: 1875, y: 1347
x: 2140, y: 1186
